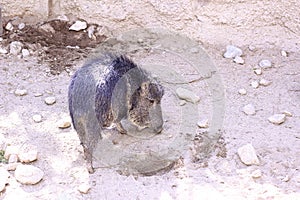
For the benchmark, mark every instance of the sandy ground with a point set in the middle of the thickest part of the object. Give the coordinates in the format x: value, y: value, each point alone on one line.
x: 277, y: 146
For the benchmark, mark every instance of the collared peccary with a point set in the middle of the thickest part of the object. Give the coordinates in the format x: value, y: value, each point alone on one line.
x: 113, y: 89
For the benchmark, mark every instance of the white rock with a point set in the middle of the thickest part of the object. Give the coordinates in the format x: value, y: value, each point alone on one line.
x: 258, y: 71
x: 38, y: 94
x: 13, y: 158
x: 242, y: 91
x: 232, y: 51
x: 3, y: 50
x: 50, y: 100
x: 238, y: 60
x: 37, y: 118
x: 4, y: 175
x: 203, y: 123
x: 25, y: 53
x: 251, y: 47
x: 78, y: 25
x: 277, y: 119
x: 10, y: 150
x: 248, y: 155
x: 64, y: 125
x: 15, y: 47
x: 63, y: 18
x: 265, y: 63
x: 27, y: 174
x: 256, y: 173
x: 264, y: 82
x: 90, y: 31
x: 287, y: 113
x: 21, y: 26
x: 20, y: 92
x: 284, y: 53
x: 249, y: 109
x: 29, y: 155
x: 9, y: 26
x: 12, y: 166
x: 254, y: 84
x: 84, y: 188
x: 182, y: 102
x: 187, y: 95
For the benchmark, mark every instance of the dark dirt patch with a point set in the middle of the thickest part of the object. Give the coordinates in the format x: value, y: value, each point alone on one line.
x: 55, y: 44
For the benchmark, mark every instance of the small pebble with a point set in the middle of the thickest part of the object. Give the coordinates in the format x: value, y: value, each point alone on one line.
x: 37, y: 118
x: 242, y: 91
x: 249, y: 109
x: 21, y: 26
x: 3, y: 50
x: 84, y: 188
x: 13, y: 158
x: 238, y: 60
x: 194, y: 50
x: 25, y: 53
x: 264, y: 82
x: 182, y: 102
x: 27, y: 174
x: 12, y: 166
x: 251, y: 47
x: 277, y: 119
x: 64, y: 125
x: 284, y: 53
x: 38, y: 94
x: 248, y: 155
x: 232, y: 51
x: 9, y: 26
x: 187, y: 95
x: 10, y: 150
x: 28, y: 155
x: 287, y: 113
x: 15, y: 47
x: 265, y: 63
x: 78, y: 26
x: 50, y: 100
x: 258, y: 71
x: 256, y: 173
x: 203, y: 123
x: 254, y: 84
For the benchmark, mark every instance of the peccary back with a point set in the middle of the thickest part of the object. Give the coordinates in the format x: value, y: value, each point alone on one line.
x: 113, y: 89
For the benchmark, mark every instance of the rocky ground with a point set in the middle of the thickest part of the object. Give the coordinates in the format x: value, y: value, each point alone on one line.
x: 256, y: 157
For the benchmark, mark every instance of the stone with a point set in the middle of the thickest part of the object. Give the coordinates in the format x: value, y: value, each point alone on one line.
x: 38, y: 94
x: 9, y: 26
x: 232, y: 52
x: 3, y: 50
x: 12, y: 166
x: 284, y: 53
x: 21, y: 92
x: 254, y: 84
x: 242, y: 91
x: 287, y: 113
x: 28, y: 155
x: 249, y: 109
x: 25, y: 53
x: 256, y: 173
x: 21, y: 26
x: 50, y: 100
x: 78, y: 26
x: 258, y: 71
x: 10, y: 150
x: 238, y: 60
x: 265, y: 64
x: 64, y: 125
x: 29, y: 175
x: 37, y: 118
x: 182, y: 102
x: 84, y: 188
x: 251, y: 47
x: 187, y: 95
x: 15, y: 47
x: 203, y: 123
x: 13, y: 158
x: 264, y: 82
x: 277, y: 119
x: 248, y: 155
x: 4, y: 175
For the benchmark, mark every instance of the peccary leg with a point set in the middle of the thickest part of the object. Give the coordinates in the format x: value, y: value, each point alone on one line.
x: 89, y: 158
x: 120, y: 128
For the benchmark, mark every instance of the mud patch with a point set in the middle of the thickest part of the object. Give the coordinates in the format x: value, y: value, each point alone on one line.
x: 55, y: 44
